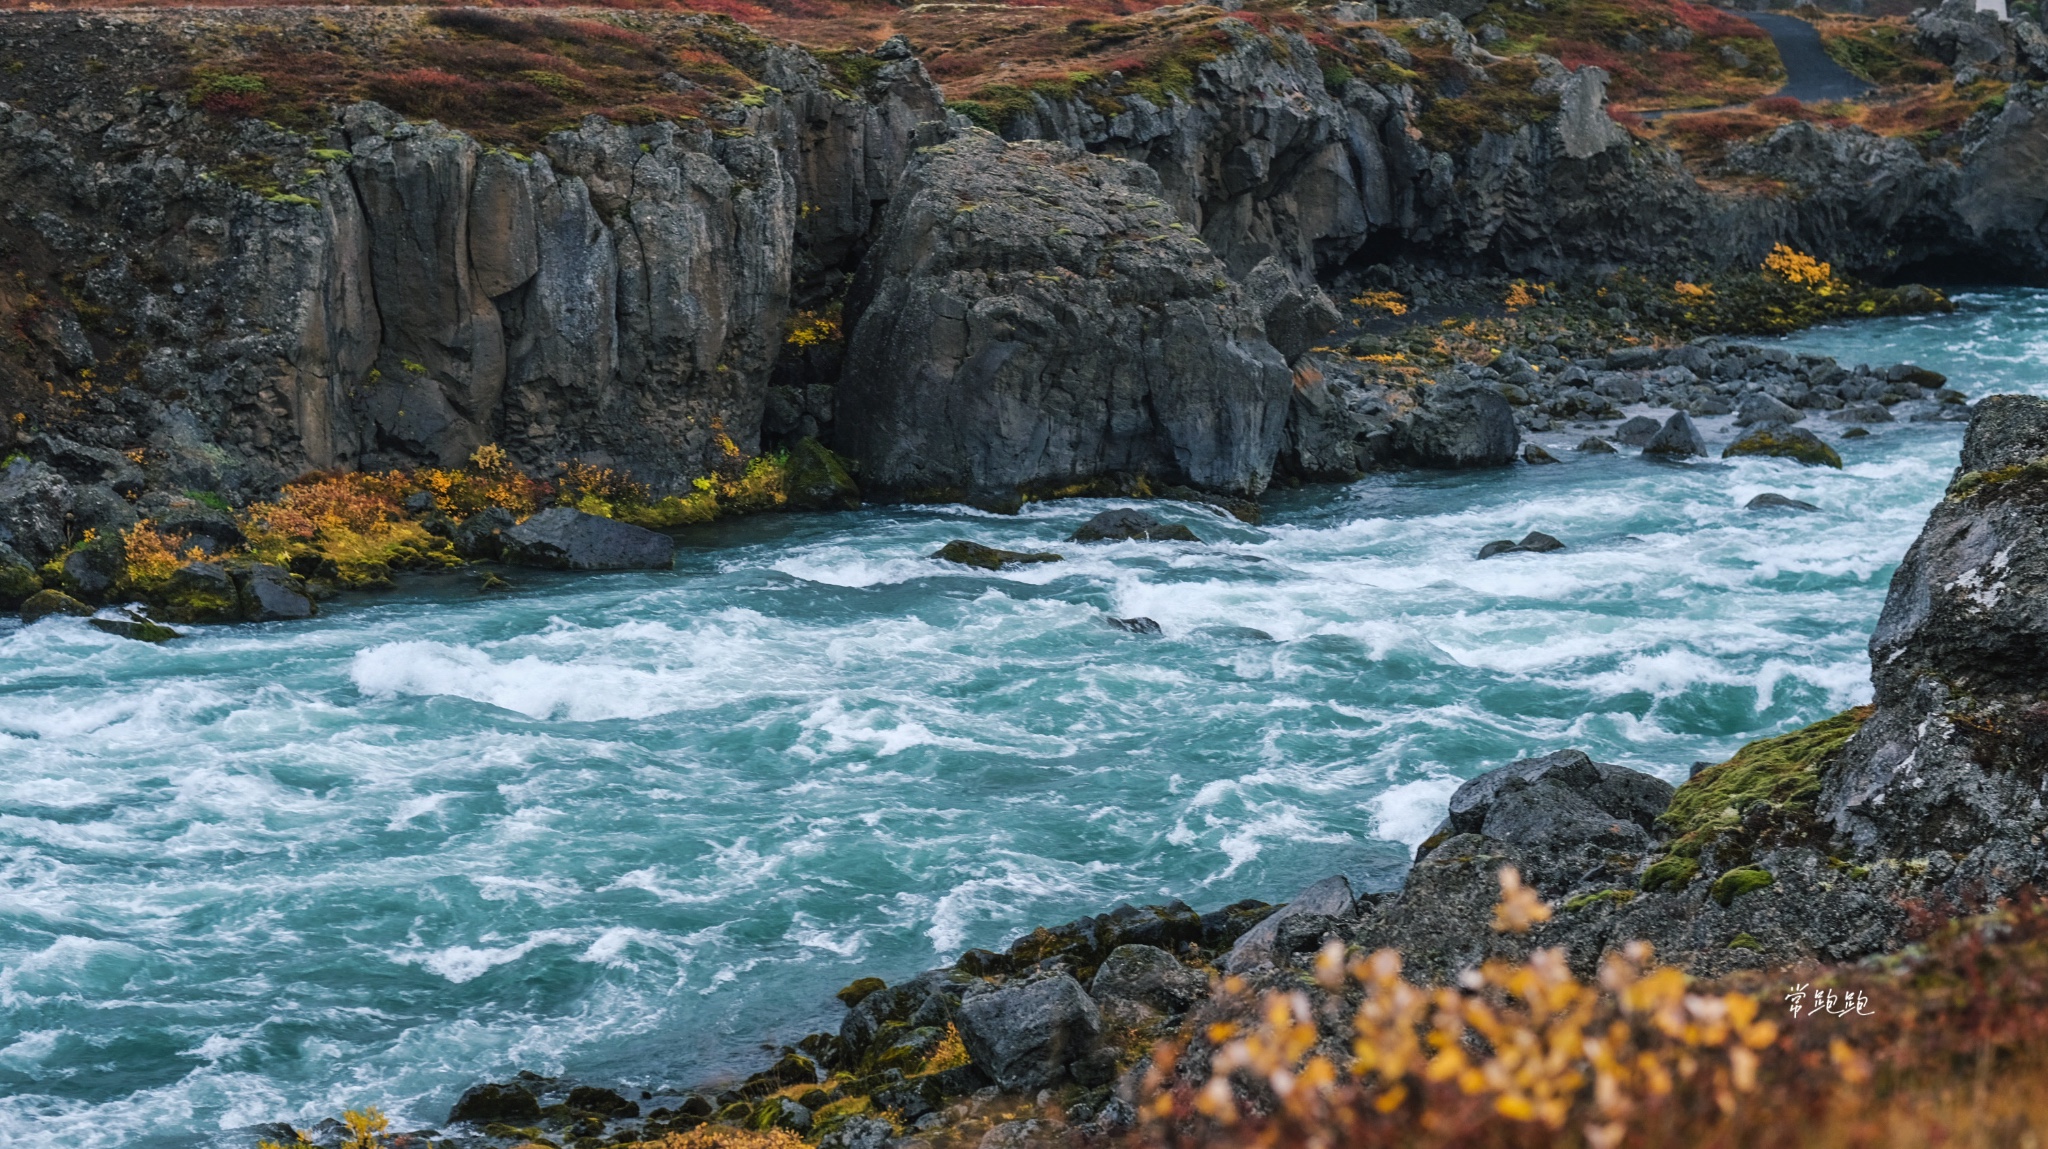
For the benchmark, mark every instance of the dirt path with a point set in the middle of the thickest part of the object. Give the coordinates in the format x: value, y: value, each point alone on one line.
x: 1810, y: 73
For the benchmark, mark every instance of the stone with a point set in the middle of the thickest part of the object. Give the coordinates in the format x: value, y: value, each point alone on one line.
x: 561, y: 538
x: 989, y: 558
x: 1496, y: 547
x: 212, y: 531
x: 1535, y: 542
x: 605, y: 1102
x: 1536, y: 456
x: 35, y: 505
x: 1330, y: 897
x: 1677, y: 439
x: 1150, y: 977
x: 1005, y: 333
x: 92, y: 570
x: 1457, y: 428
x: 859, y: 1132
x: 86, y: 465
x: 1025, y: 1036
x: 781, y: 1113
x: 1772, y: 501
x: 1140, y: 625
x: 1917, y: 375
x: 858, y: 989
x: 1595, y: 445
x: 818, y: 479
x: 1637, y: 431
x: 1296, y: 312
x: 1861, y: 413
x: 1584, y: 128
x: 1561, y: 798
x: 2005, y: 431
x: 505, y: 1104
x: 1030, y: 1133
x: 1777, y: 440
x: 1757, y: 407
x: 132, y: 624
x: 1121, y: 525
x: 481, y: 535
x: 199, y: 592
x: 18, y: 579
x: 269, y: 594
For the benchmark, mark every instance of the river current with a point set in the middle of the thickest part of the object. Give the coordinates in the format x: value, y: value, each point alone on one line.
x: 630, y: 827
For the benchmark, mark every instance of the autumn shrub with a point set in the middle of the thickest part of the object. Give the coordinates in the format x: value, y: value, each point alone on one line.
x: 152, y: 556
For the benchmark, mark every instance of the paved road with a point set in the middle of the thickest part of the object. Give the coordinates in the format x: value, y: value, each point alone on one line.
x: 1810, y: 73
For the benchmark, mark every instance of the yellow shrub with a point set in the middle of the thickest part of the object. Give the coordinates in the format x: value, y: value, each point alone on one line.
x: 1798, y: 267
x: 1387, y: 301
x: 153, y: 556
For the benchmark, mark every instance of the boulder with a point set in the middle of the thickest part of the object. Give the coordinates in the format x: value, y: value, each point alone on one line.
x: 1456, y: 428
x: 35, y: 510
x: 1123, y: 525
x: 1677, y: 439
x: 1758, y: 407
x: 1916, y: 375
x: 268, y: 594
x: 45, y: 603
x: 1951, y: 763
x: 1595, y: 445
x: 1780, y: 441
x: 1025, y: 1036
x: 859, y: 1132
x: 199, y: 592
x: 604, y: 1102
x: 92, y: 570
x: 1773, y: 501
x: 1033, y: 314
x: 1861, y: 413
x: 561, y: 538
x: 1536, y: 456
x: 214, y: 532
x: 1148, y: 976
x: 1637, y: 431
x: 1535, y: 542
x: 481, y: 535
x: 1259, y: 946
x: 1296, y: 313
x: 989, y: 558
x: 1139, y: 625
x: 132, y: 624
x: 86, y: 465
x: 1564, y: 798
x: 504, y: 1104
x: 18, y: 578
x: 818, y: 479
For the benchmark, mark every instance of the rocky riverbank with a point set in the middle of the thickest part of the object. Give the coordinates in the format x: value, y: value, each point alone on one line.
x: 1842, y: 840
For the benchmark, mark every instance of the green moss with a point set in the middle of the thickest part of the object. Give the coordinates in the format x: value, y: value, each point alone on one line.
x: 1784, y: 771
x: 1670, y: 873
x: 1743, y: 941
x: 210, y: 499
x: 292, y: 200
x: 1502, y: 107
x: 1740, y: 881
x: 853, y: 68
x: 1775, y: 443
x: 331, y: 155
x: 17, y: 583
x: 858, y: 990
x: 1618, y: 897
x: 1969, y: 484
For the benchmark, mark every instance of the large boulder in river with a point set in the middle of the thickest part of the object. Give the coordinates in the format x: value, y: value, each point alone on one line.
x: 1679, y: 438
x: 1025, y: 1036
x: 1563, y: 800
x: 1458, y: 427
x: 560, y: 538
x: 1032, y: 314
x: 1780, y: 441
x: 1951, y: 765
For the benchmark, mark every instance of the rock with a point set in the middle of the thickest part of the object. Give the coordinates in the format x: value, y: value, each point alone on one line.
x: 1535, y: 542
x: 1027, y: 1134
x: 35, y: 502
x: 1917, y: 375
x: 1139, y: 625
x: 419, y: 502
x: 1951, y: 763
x: 268, y: 594
x: 560, y: 538
x: 85, y: 465
x: 604, y: 1102
x: 1771, y: 500
x: 1677, y: 439
x: 1637, y: 431
x: 199, y: 592
x: 859, y: 1132
x: 1330, y: 897
x: 92, y: 570
x: 132, y: 624
x: 1120, y: 525
x: 1005, y: 332
x: 1595, y: 445
x: 1297, y: 314
x: 781, y: 1113
x: 1561, y: 800
x: 1149, y: 976
x: 1536, y: 456
x: 506, y: 1104
x: 989, y: 558
x: 1025, y: 1036
x: 18, y: 579
x: 1780, y: 441
x: 923, y: 1002
x: 858, y: 990
x: 1861, y: 413
x: 818, y: 479
x: 1456, y: 428
x: 1758, y: 407
x: 481, y: 535
x: 1584, y: 128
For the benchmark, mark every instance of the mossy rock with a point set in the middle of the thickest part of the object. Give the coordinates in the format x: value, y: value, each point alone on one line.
x: 1784, y: 771
x: 1743, y: 941
x: 818, y: 480
x: 734, y: 1114
x: 1585, y: 901
x: 858, y: 990
x: 18, y: 581
x: 989, y: 558
x: 1740, y: 881
x: 1783, y: 442
x: 197, y: 592
x: 1670, y: 873
x: 45, y: 603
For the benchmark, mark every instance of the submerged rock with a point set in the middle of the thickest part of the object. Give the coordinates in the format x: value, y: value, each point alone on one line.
x: 1595, y: 445
x: 1025, y: 1036
x: 1535, y: 542
x: 132, y: 624
x: 1537, y: 456
x: 1678, y: 438
x: 989, y: 558
x: 560, y: 538
x: 1861, y: 413
x: 1780, y: 441
x: 1139, y: 625
x: 1771, y: 500
x: 1123, y: 525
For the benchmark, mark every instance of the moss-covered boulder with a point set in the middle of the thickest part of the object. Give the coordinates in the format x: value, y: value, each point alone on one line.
x: 1763, y: 795
x: 18, y: 578
x: 1739, y: 881
x: 989, y: 558
x: 817, y: 479
x: 197, y: 592
x: 45, y: 603
x: 1780, y: 441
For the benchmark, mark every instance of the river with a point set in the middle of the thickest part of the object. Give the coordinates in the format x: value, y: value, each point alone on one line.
x: 630, y: 827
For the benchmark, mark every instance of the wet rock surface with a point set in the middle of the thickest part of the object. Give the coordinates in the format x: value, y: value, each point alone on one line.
x: 560, y: 538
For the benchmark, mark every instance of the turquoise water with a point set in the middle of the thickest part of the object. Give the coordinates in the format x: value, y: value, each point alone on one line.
x: 629, y: 827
